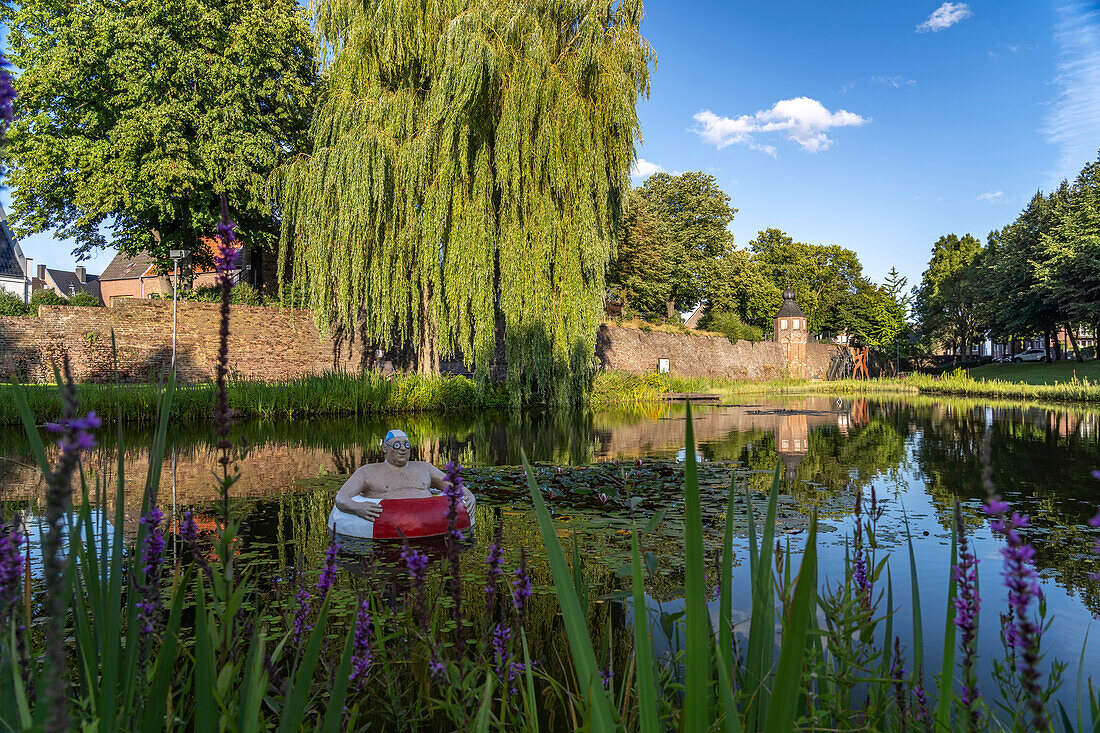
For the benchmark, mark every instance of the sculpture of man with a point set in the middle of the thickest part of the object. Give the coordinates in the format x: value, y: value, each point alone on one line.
x: 395, y: 478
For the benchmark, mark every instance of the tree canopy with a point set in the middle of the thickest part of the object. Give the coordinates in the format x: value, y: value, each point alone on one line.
x: 134, y: 115
x: 470, y: 162
x: 948, y: 301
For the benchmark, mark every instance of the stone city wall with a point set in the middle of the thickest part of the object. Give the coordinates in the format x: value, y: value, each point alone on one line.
x: 272, y: 344
x: 264, y: 342
x: 693, y: 355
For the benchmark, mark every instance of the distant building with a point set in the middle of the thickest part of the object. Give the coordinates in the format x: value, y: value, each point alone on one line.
x: 137, y: 276
x: 15, y: 269
x: 66, y: 283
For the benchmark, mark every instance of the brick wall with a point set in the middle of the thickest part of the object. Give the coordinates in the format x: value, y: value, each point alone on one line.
x: 271, y: 344
x: 264, y: 343
x: 691, y: 355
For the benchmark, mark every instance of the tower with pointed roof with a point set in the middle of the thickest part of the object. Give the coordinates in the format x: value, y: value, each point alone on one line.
x: 791, y: 334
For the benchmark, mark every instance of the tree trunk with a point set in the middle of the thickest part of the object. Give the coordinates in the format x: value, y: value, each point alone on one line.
x: 1073, y: 343
x: 427, y: 360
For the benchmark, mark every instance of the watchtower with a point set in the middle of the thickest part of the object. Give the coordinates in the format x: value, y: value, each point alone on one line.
x: 791, y: 334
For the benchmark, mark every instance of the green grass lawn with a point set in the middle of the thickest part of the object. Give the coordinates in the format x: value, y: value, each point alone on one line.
x: 1039, y: 372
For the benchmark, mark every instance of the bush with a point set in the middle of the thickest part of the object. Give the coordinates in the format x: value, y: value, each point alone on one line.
x: 86, y: 299
x: 12, y: 305
x: 731, y: 325
x: 47, y: 297
x: 244, y: 294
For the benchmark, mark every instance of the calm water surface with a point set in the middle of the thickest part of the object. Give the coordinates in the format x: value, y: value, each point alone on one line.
x: 918, y: 455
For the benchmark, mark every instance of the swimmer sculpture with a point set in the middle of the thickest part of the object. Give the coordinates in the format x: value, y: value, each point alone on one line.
x: 388, y: 499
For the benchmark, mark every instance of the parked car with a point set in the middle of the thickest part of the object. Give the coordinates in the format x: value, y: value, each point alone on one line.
x: 1032, y: 355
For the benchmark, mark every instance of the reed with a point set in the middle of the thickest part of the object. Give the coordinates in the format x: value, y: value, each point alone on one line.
x: 334, y: 394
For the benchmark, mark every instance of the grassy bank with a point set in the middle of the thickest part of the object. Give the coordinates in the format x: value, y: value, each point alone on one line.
x: 616, y: 387
x: 329, y: 395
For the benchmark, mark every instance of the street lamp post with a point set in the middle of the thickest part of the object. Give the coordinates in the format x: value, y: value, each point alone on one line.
x: 176, y: 255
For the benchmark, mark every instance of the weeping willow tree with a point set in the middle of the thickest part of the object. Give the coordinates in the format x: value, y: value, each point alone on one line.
x: 469, y: 163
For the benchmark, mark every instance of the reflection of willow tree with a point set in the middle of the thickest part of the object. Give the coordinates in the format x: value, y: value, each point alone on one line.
x: 1041, y: 464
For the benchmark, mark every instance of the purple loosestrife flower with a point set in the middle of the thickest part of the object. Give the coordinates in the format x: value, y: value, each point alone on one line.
x: 416, y: 563
x: 361, y: 655
x: 11, y: 567
x: 897, y: 674
x: 73, y: 440
x: 302, y: 626
x: 7, y: 92
x: 521, y: 588
x: 967, y: 605
x: 454, y: 489
x: 149, y: 589
x: 328, y: 575
x: 1022, y: 634
x: 189, y: 536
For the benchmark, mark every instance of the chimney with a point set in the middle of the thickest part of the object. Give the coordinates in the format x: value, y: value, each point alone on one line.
x: 41, y: 272
x: 82, y: 274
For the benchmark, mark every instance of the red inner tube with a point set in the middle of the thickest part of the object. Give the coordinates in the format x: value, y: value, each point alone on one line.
x: 417, y: 517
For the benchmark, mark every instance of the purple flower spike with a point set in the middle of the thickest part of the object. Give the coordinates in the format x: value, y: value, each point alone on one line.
x: 301, y: 617
x: 11, y: 567
x: 152, y: 559
x: 328, y: 575
x: 967, y: 605
x: 361, y: 650
x: 7, y: 92
x: 522, y: 587
x: 1021, y: 633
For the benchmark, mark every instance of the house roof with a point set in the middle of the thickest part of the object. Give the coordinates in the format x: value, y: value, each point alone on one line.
x: 9, y: 250
x: 68, y: 282
x: 127, y: 267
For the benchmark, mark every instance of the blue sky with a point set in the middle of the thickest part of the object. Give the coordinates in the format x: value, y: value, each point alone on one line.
x: 878, y: 126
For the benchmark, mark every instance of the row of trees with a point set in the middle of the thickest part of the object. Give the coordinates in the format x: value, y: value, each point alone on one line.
x: 1034, y: 277
x: 441, y: 174
x: 675, y: 251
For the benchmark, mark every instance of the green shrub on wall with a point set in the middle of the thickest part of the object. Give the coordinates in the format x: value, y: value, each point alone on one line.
x: 12, y: 305
x: 85, y: 299
x: 47, y: 297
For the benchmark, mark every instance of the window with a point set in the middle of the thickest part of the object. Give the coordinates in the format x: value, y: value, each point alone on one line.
x: 783, y: 324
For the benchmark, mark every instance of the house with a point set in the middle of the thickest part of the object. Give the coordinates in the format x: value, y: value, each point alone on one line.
x: 137, y: 276
x: 14, y: 267
x: 65, y: 283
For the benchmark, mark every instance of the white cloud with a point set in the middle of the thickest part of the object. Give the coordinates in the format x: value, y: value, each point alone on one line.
x: 805, y: 122
x: 642, y: 168
x: 1073, y: 123
x: 897, y: 81
x: 945, y: 16
x: 992, y: 196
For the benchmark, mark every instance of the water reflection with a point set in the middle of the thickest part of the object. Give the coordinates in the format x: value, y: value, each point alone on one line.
x: 919, y: 453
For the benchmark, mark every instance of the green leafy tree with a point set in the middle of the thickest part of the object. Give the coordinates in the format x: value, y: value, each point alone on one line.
x: 822, y: 276
x: 739, y: 287
x: 134, y: 115
x: 640, y: 271
x: 470, y: 163
x: 697, y: 214
x: 1072, y: 272
x: 948, y: 300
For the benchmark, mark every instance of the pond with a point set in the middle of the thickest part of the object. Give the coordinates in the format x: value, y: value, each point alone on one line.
x: 917, y: 454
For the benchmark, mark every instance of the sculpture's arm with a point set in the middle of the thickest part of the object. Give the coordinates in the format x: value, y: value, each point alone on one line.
x: 355, y: 486
x: 439, y: 481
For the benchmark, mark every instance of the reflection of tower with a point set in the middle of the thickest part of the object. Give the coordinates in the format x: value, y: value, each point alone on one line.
x: 792, y: 442
x: 790, y: 333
